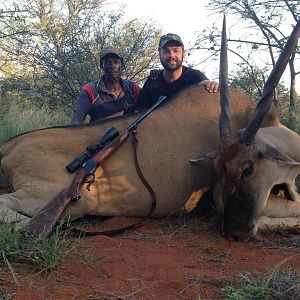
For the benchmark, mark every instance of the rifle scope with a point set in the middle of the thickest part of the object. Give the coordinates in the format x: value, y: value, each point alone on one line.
x: 108, y: 136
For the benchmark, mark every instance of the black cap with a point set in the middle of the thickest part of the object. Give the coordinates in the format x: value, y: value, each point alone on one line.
x: 168, y: 38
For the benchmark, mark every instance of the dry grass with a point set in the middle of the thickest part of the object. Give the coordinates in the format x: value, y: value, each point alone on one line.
x: 18, y: 250
x: 284, y: 239
x: 273, y: 284
x: 5, y: 296
x: 198, y: 284
x: 137, y: 285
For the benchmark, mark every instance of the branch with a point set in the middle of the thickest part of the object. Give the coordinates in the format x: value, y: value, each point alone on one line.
x: 251, y: 68
x: 254, y: 43
x: 295, y: 16
x: 3, y: 35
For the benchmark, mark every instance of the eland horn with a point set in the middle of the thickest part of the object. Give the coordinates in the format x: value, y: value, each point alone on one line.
x: 224, y: 119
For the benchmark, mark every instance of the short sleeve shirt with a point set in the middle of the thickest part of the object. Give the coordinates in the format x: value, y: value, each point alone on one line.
x: 104, y: 104
x: 156, y: 87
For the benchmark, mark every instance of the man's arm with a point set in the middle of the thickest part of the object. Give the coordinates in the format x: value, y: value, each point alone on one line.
x: 78, y: 117
x: 144, y: 99
x: 197, y: 77
x: 83, y: 106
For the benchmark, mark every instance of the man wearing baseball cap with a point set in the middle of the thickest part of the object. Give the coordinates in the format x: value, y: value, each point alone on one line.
x: 108, y: 96
x: 174, y: 77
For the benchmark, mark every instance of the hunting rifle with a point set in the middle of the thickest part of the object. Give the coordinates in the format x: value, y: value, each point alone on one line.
x: 45, y: 219
x: 108, y: 136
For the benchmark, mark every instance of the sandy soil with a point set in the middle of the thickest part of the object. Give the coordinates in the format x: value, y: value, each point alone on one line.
x: 174, y: 258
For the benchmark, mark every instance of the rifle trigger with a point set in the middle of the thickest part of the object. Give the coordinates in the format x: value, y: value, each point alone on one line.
x: 90, y: 181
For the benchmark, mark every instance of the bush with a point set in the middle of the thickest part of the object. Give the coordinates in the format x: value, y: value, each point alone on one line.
x: 22, y: 250
x: 274, y: 284
x: 17, y: 119
x: 291, y: 122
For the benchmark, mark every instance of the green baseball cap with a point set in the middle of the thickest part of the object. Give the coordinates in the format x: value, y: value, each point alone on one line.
x: 168, y: 38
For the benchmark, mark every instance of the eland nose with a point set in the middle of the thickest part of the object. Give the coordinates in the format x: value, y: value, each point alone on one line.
x: 237, y: 235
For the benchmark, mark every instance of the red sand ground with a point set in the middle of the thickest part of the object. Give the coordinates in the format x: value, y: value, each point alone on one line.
x: 161, y: 259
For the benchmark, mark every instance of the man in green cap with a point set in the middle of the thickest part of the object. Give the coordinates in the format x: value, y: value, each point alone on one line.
x: 174, y: 77
x: 108, y: 96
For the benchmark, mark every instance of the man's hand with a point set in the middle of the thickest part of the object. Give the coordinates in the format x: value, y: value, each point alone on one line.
x: 210, y: 86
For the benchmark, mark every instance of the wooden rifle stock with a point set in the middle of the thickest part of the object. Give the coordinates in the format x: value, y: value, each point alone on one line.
x: 45, y: 219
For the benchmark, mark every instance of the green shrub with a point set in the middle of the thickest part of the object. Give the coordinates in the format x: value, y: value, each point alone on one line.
x: 296, y: 124
x: 19, y: 249
x: 17, y: 119
x: 272, y: 285
x: 292, y: 122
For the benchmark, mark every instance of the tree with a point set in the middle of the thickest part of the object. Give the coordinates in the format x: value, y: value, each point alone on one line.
x: 251, y: 80
x: 6, y: 30
x: 59, y: 50
x: 266, y: 26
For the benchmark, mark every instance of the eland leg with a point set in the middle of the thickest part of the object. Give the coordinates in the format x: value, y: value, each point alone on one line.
x: 279, y: 213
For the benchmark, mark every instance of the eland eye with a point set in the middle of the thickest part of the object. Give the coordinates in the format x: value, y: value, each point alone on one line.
x: 248, y: 170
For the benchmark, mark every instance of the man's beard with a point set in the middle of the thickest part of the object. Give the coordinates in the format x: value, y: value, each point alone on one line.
x: 173, y: 67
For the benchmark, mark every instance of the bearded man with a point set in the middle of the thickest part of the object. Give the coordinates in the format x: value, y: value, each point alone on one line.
x: 109, y: 96
x: 174, y: 77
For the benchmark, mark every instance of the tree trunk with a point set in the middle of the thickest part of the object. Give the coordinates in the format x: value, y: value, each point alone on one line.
x: 292, y: 88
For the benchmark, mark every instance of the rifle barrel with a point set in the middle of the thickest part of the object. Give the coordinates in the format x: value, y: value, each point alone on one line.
x: 146, y: 113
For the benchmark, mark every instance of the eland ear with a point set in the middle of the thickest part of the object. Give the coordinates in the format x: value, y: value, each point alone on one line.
x: 270, y: 152
x: 208, y: 156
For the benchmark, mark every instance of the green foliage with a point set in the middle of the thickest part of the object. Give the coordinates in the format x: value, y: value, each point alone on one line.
x: 272, y: 285
x: 22, y: 118
x: 44, y: 255
x: 292, y: 121
x: 267, y: 25
x: 51, y: 48
x: 249, y: 79
x: 296, y: 123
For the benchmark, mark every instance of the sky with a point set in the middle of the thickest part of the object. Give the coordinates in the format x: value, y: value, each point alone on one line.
x: 185, y: 18
x: 181, y: 17
x: 173, y: 16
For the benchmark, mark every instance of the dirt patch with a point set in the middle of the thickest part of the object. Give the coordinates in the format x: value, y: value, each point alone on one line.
x: 161, y: 259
